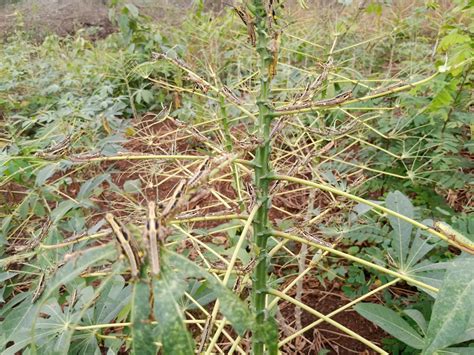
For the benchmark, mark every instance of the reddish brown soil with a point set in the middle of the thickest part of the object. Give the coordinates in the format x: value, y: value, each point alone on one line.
x: 41, y: 18
x: 325, y: 336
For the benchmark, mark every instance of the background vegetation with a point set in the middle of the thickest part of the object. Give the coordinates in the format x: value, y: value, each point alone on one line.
x: 311, y: 168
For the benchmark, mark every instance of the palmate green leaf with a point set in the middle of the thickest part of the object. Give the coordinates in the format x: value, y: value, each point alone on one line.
x: 62, y: 209
x: 200, y: 292
x: 143, y: 338
x: 87, y: 189
x: 391, y: 322
x: 453, y: 308
x: 399, y: 203
x: 419, y: 248
x: 469, y: 333
x: 68, y: 273
x: 53, y: 335
x: 456, y: 351
x: 7, y: 275
x: 16, y: 325
x: 97, y: 305
x: 75, y: 266
x: 85, y: 344
x: 174, y: 336
x: 113, y: 298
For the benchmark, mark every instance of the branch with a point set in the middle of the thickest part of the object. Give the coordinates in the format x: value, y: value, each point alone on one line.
x: 456, y: 242
x: 204, y: 85
x: 346, y: 98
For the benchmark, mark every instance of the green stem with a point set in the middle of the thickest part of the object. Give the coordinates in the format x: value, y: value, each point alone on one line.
x: 262, y: 172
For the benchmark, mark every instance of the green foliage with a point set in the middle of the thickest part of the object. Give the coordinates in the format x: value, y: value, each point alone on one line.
x: 143, y: 336
x: 174, y: 336
x: 65, y: 289
x: 45, y: 325
x: 391, y: 322
x: 450, y: 321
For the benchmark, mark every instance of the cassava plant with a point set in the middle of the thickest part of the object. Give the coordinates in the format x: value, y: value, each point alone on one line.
x: 147, y: 270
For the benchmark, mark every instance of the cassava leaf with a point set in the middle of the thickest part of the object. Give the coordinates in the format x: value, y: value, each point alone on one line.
x: 142, y: 331
x: 231, y: 306
x: 16, y: 326
x: 45, y: 173
x: 399, y: 203
x: 87, y: 189
x: 456, y: 351
x: 174, y: 336
x: 418, y: 317
x: 85, y: 344
x: 132, y: 186
x: 419, y: 248
x: 391, y: 322
x: 74, y: 267
x: 68, y: 273
x: 453, y: 306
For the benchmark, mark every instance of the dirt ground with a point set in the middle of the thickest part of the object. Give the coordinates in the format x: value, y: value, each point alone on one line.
x: 63, y: 17
x: 66, y: 17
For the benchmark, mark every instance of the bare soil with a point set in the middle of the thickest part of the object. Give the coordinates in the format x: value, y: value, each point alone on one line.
x: 43, y: 17
x: 325, y: 336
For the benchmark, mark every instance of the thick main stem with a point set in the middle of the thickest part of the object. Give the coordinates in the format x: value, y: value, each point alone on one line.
x: 262, y: 172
